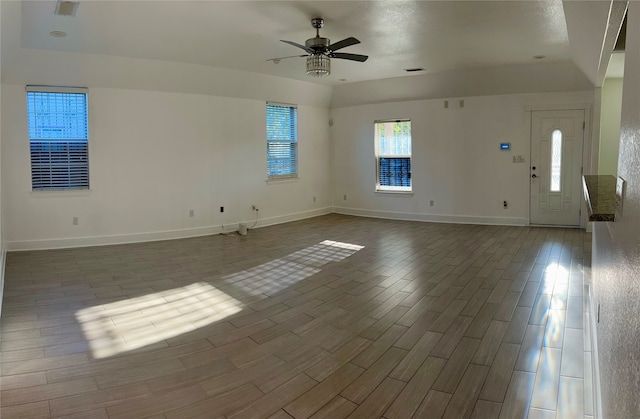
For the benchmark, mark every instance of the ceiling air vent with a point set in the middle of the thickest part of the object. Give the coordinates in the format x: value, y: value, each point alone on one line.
x: 66, y: 8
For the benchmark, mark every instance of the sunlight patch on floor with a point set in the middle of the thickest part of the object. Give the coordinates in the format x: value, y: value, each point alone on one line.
x: 274, y: 276
x: 122, y: 326
x: 130, y: 324
x: 555, y: 272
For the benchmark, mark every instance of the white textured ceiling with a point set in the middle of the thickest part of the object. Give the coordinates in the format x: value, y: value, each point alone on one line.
x: 437, y: 35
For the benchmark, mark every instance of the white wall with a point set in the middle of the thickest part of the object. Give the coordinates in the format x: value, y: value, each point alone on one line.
x: 610, y: 126
x: 58, y: 68
x: 2, y: 247
x: 616, y: 255
x: 456, y: 158
x: 169, y: 137
x: 153, y: 157
x: 165, y: 138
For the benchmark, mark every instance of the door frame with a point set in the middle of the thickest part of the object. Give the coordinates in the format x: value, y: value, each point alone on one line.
x: 587, y: 149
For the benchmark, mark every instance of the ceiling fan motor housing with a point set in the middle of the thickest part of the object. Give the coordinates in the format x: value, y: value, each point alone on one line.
x: 318, y: 43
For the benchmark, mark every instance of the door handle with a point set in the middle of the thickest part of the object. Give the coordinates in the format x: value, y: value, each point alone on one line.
x: 534, y: 176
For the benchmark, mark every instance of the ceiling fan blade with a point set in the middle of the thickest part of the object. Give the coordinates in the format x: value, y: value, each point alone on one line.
x: 343, y: 44
x: 290, y: 56
x: 309, y: 50
x: 352, y: 57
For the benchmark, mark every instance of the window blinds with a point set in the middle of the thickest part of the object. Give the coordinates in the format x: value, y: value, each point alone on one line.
x: 393, y: 154
x: 282, y: 140
x: 58, y: 136
x: 395, y: 171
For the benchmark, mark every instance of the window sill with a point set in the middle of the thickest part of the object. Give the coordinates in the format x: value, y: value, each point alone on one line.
x: 282, y: 180
x: 404, y: 193
x: 60, y: 193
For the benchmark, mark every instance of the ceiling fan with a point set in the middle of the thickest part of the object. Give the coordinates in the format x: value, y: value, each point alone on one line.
x: 320, y: 51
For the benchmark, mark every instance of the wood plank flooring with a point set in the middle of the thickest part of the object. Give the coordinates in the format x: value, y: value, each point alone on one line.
x: 331, y: 317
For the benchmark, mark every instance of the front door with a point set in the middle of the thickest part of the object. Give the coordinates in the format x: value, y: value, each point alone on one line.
x: 557, y: 138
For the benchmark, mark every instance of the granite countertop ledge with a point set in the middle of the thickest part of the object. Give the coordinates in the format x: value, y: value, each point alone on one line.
x: 600, y: 194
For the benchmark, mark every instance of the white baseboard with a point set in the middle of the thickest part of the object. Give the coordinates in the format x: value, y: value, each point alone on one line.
x: 63, y: 243
x: 433, y: 218
x: 289, y: 217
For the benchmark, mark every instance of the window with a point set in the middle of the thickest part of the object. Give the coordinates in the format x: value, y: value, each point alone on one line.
x: 58, y: 138
x: 282, y: 141
x: 556, y: 160
x: 393, y: 155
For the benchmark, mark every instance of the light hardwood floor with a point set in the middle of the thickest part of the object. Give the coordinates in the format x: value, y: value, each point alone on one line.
x: 330, y: 317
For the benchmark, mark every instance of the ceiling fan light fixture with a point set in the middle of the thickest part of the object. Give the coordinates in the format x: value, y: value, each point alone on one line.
x: 318, y: 65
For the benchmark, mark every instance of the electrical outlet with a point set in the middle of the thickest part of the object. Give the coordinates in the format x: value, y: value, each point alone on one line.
x: 314, y: 199
x: 75, y: 221
x: 221, y: 209
x: 505, y: 204
x: 191, y: 213
x: 344, y: 197
x: 430, y: 203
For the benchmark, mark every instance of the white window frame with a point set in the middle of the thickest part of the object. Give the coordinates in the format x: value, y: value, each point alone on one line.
x: 379, y: 155
x: 552, y: 188
x: 44, y: 176
x: 291, y: 161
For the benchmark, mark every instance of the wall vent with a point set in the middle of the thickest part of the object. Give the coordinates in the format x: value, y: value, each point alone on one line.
x: 66, y: 8
x: 413, y: 70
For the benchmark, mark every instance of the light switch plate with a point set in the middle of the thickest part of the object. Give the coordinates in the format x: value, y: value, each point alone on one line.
x: 621, y: 186
x: 518, y: 159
